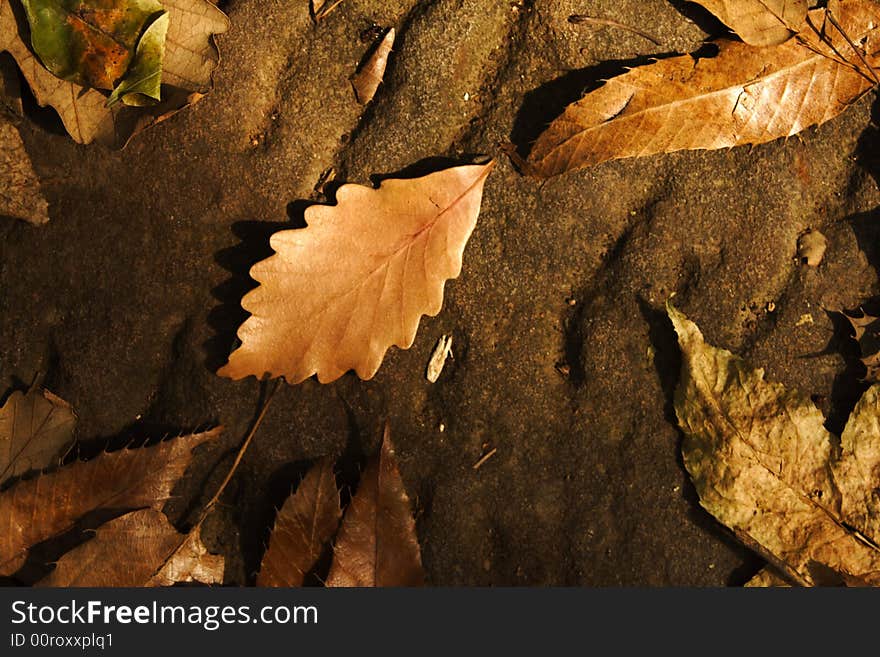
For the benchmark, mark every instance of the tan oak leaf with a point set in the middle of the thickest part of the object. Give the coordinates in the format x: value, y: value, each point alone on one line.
x: 337, y: 294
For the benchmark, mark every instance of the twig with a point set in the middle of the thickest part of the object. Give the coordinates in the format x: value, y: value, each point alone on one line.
x: 582, y: 18
x: 858, y: 52
x: 241, y: 451
x: 485, y: 458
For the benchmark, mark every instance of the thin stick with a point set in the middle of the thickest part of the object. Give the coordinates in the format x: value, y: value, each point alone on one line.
x: 488, y: 455
x: 858, y: 52
x: 582, y: 18
x: 241, y: 451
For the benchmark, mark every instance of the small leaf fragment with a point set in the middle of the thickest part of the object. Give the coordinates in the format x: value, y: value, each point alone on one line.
x: 36, y: 430
x: 765, y: 466
x: 867, y: 334
x: 337, y: 294
x: 368, y: 78
x: 20, y: 195
x: 304, y: 526
x: 377, y: 543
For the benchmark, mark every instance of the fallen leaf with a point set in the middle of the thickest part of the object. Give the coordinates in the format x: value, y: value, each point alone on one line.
x: 36, y: 430
x: 140, y: 548
x: 767, y: 577
x: 867, y: 334
x: 93, y: 44
x: 189, y: 60
x: 765, y: 466
x: 303, y: 528
x: 337, y: 294
x: 20, y: 194
x: 368, y: 78
x: 35, y: 510
x: 190, y: 562
x: 377, y: 544
x: 760, y: 22
x: 743, y: 95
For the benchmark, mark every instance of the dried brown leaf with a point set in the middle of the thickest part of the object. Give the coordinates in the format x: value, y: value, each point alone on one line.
x: 760, y: 22
x: 190, y: 562
x: 304, y: 526
x: 368, y: 78
x: 765, y: 466
x: 320, y: 9
x: 190, y: 58
x: 20, y: 194
x: 377, y: 543
x: 36, y: 430
x: 140, y: 548
x: 744, y: 95
x: 37, y: 509
x: 337, y: 294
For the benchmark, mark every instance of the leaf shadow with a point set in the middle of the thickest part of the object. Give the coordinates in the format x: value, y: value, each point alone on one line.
x: 848, y: 385
x: 667, y: 362
x: 547, y: 102
x: 427, y: 166
x: 253, y: 246
x: 703, y: 18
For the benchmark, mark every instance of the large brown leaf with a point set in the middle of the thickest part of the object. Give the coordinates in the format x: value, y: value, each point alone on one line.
x: 20, y: 194
x: 36, y: 429
x: 760, y: 22
x: 304, y: 526
x: 140, y: 548
x: 37, y: 509
x: 377, y: 543
x: 744, y: 95
x: 764, y: 465
x: 190, y: 58
x: 338, y: 294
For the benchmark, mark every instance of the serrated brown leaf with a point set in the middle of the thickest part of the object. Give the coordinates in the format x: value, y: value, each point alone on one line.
x: 37, y: 509
x: 36, y: 430
x: 743, y: 95
x: 190, y: 562
x: 140, y: 548
x: 377, y: 543
x: 368, y: 78
x: 765, y: 466
x: 20, y: 194
x: 760, y: 22
x: 337, y: 294
x: 190, y: 58
x: 304, y: 526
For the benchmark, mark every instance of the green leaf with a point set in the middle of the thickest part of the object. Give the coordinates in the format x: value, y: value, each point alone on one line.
x: 142, y: 84
x: 89, y: 42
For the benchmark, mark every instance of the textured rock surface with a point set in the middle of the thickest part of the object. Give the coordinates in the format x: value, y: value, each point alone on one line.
x: 128, y: 299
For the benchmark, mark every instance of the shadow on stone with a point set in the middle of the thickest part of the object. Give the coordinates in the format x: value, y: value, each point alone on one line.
x: 226, y: 318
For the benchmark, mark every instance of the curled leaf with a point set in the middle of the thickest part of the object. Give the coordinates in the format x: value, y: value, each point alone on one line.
x: 368, y: 78
x: 337, y: 294
x: 304, y: 526
x: 743, y: 95
x: 142, y: 84
x: 765, y: 466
